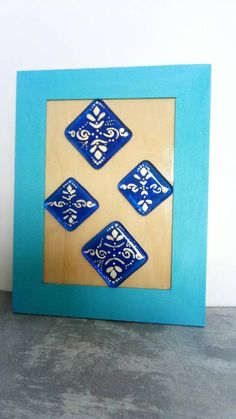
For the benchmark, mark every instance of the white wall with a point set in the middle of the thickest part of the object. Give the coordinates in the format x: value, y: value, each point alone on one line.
x: 56, y: 34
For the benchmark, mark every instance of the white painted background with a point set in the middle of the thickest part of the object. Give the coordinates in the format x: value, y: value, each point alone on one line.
x: 56, y: 34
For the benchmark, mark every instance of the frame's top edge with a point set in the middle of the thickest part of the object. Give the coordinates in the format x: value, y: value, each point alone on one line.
x: 151, y: 67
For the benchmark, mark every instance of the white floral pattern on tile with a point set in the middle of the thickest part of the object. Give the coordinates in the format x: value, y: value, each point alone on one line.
x: 98, y: 133
x: 145, y: 187
x: 67, y: 202
x: 114, y: 254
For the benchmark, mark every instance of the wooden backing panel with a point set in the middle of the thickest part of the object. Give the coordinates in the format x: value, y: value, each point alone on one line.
x: 152, y: 124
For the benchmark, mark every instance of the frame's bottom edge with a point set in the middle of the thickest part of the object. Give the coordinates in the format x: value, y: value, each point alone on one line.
x: 17, y: 310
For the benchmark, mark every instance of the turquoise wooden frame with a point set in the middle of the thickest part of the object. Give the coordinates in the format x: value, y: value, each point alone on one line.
x: 184, y: 303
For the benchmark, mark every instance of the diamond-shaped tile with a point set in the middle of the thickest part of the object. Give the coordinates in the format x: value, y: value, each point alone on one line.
x: 145, y: 187
x: 71, y: 204
x: 114, y: 253
x: 98, y: 133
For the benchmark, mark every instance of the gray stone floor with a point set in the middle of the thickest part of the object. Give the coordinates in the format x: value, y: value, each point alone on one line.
x: 70, y: 368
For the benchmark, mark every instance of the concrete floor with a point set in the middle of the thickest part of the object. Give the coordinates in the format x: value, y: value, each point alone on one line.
x: 70, y: 368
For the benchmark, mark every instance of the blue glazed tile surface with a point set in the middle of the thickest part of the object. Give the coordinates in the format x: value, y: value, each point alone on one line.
x: 71, y: 204
x: 98, y: 133
x: 145, y: 187
x: 114, y: 253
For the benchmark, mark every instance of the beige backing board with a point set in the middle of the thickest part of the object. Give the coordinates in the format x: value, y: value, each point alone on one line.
x: 152, y: 124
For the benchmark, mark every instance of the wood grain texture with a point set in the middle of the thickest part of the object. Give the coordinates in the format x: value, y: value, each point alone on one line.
x: 152, y: 124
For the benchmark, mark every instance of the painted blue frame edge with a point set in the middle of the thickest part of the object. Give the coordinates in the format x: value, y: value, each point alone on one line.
x: 184, y: 303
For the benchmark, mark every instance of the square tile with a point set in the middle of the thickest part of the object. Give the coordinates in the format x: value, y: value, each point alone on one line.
x: 97, y: 133
x: 71, y: 204
x: 114, y: 253
x: 145, y: 187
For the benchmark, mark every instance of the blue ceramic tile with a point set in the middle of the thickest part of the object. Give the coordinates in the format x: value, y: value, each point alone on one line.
x: 98, y: 133
x: 114, y: 253
x: 71, y: 204
x: 145, y: 187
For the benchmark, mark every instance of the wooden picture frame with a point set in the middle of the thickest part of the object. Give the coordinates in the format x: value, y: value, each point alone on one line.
x: 182, y: 303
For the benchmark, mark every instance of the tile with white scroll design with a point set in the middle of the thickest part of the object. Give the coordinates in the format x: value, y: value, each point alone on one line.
x: 145, y: 187
x: 97, y: 133
x: 114, y: 253
x: 71, y: 204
